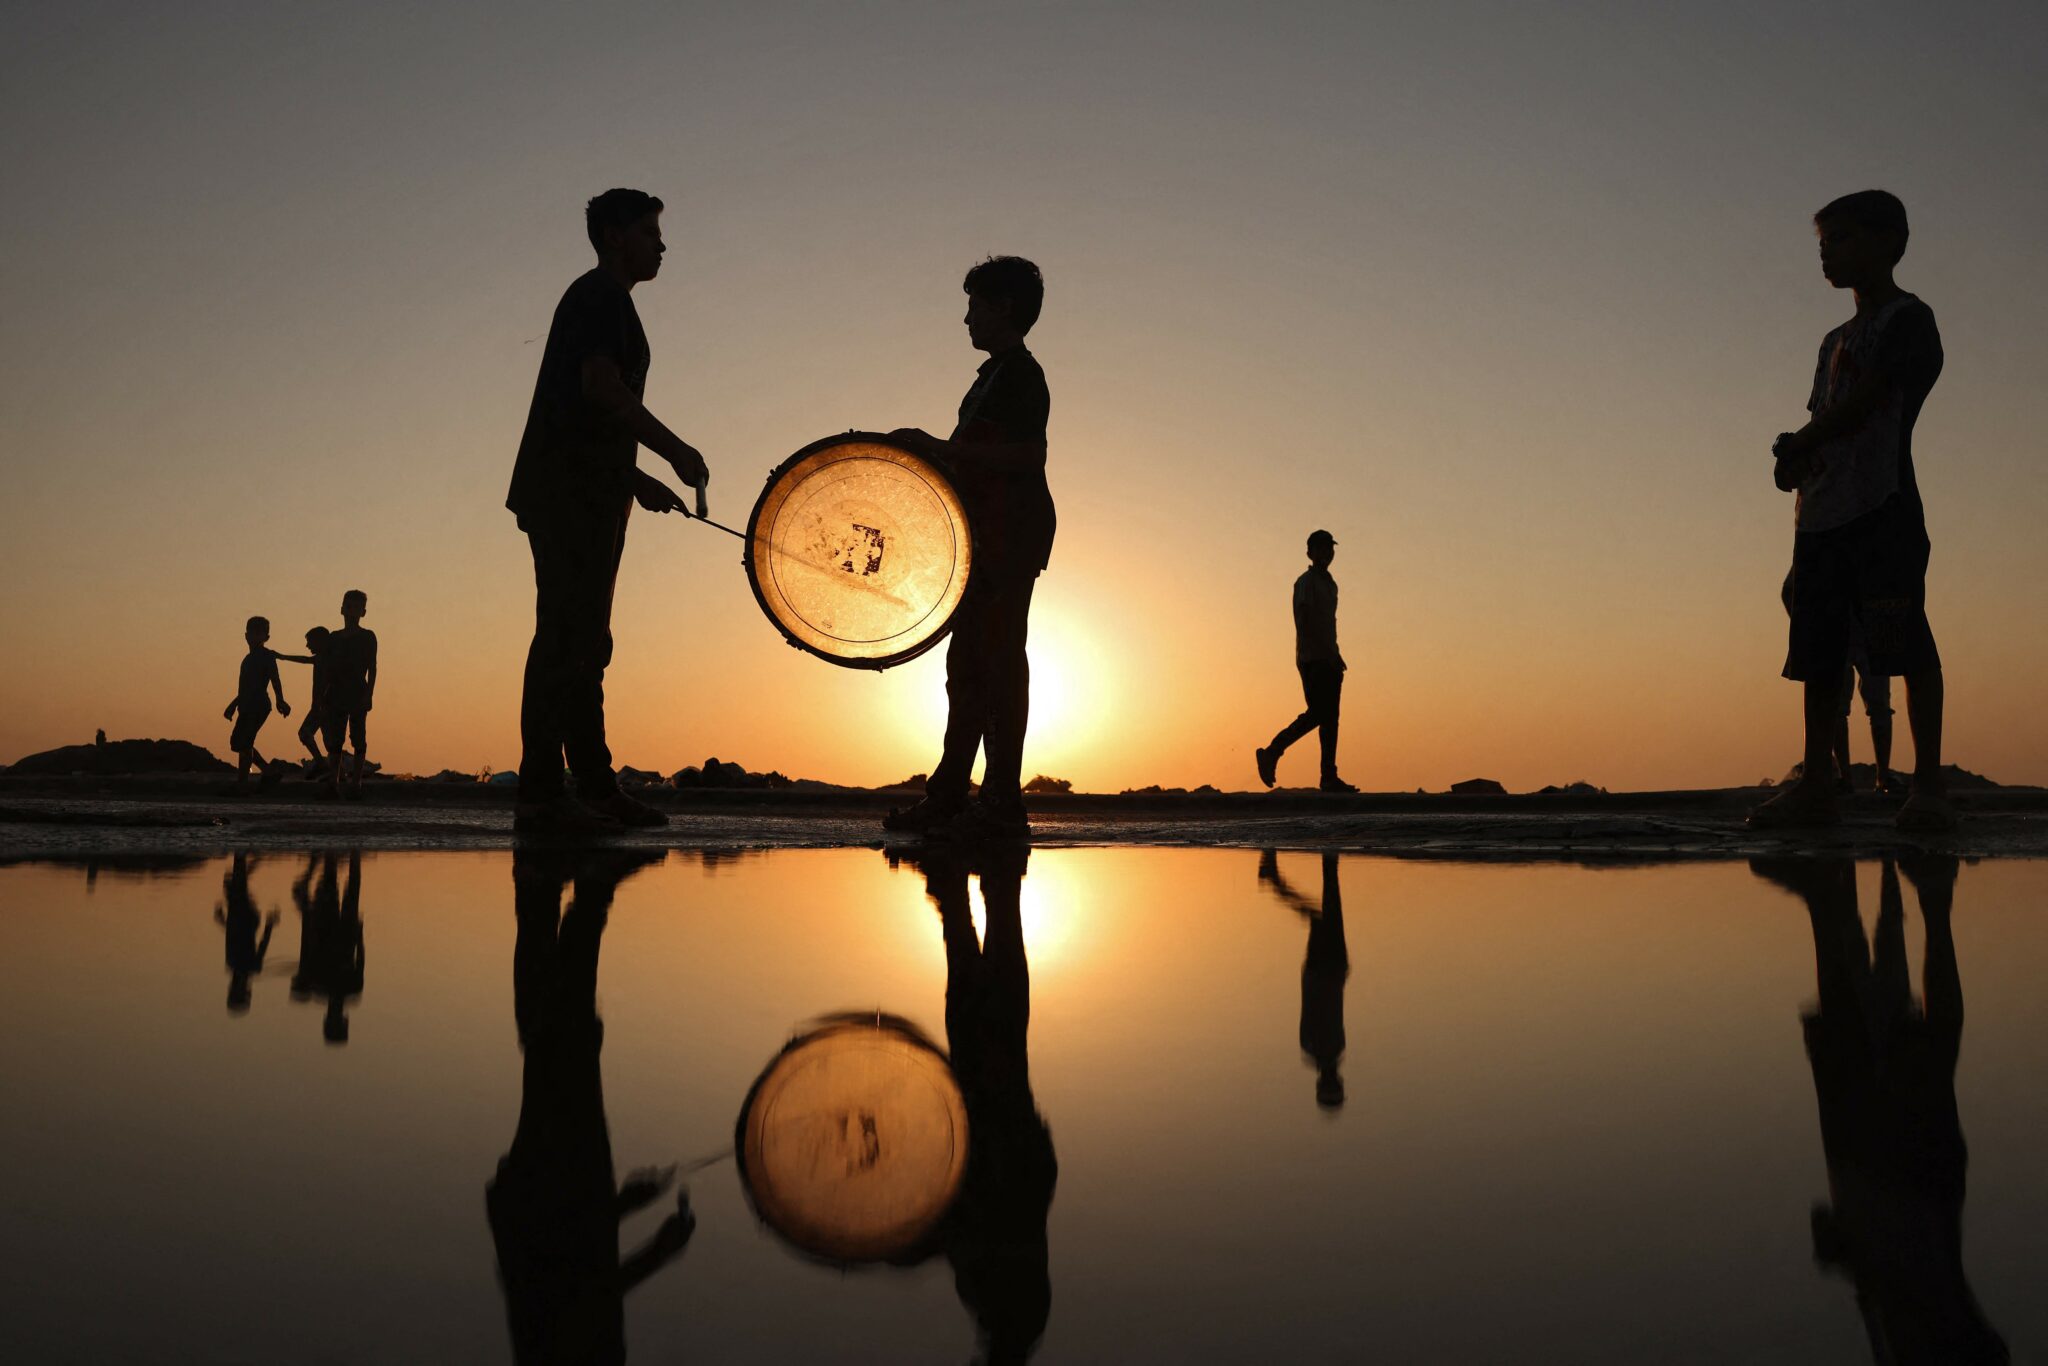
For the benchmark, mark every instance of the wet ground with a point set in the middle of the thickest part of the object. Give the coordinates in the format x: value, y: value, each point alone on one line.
x: 1220, y: 1105
x: 41, y: 817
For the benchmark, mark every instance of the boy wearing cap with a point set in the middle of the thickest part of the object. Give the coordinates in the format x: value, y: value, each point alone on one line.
x: 1321, y: 664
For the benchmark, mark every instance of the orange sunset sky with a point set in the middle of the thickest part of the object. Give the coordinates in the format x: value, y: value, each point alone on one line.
x: 1511, y: 298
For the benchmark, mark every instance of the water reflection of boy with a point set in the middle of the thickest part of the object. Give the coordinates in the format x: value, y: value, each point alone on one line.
x: 554, y: 1205
x: 1323, y: 973
x: 237, y: 917
x: 996, y: 1236
x: 1884, y: 1076
x: 330, y: 940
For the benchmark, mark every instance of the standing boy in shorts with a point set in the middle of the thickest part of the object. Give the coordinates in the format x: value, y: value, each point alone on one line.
x: 351, y: 658
x: 997, y: 455
x: 1859, y: 558
x: 251, y: 705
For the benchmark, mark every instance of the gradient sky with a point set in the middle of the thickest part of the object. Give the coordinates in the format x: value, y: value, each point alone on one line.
x: 1511, y: 298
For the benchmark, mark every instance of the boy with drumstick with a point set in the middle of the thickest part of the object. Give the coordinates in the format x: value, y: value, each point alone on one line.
x: 997, y: 455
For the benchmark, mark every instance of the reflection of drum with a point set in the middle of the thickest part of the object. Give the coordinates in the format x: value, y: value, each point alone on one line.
x: 853, y: 1142
x: 859, y: 551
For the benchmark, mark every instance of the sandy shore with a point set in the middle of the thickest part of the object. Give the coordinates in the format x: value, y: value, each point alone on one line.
x: 100, y: 817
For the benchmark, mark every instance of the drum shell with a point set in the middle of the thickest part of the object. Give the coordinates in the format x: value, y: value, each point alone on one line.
x: 860, y: 655
x: 799, y: 1229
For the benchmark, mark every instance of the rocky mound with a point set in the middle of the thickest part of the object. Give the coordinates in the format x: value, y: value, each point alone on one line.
x: 124, y: 756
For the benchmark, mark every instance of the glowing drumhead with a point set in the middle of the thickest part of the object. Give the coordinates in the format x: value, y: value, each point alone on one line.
x: 859, y: 552
x: 853, y: 1143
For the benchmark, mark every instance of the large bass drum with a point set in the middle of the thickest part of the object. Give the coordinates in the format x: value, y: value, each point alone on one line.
x: 853, y: 1142
x: 859, y: 551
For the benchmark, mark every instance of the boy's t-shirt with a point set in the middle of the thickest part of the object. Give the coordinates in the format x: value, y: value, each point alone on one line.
x: 1315, y: 618
x: 252, y: 686
x: 349, y: 654
x: 1014, y: 518
x: 1857, y: 472
x: 573, y: 456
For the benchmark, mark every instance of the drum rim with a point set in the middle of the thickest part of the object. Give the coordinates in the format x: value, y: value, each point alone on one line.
x: 878, y: 662
x: 822, y: 1026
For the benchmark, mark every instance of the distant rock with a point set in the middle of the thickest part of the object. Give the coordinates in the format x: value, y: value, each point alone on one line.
x: 124, y: 756
x: 1579, y: 789
x: 450, y: 775
x: 718, y: 774
x: 1044, y: 784
x: 644, y: 777
x: 1478, y: 787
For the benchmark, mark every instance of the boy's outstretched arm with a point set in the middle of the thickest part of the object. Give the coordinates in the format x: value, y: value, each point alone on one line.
x: 293, y: 659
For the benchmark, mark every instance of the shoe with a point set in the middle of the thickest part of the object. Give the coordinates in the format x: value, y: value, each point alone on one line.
x: 987, y: 821
x: 630, y: 811
x: 562, y: 815
x: 273, y: 773
x: 1269, y: 764
x: 1797, y: 807
x: 922, y: 816
x: 1332, y: 783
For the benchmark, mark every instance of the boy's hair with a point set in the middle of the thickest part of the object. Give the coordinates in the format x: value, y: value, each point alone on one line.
x: 356, y: 596
x: 1010, y: 278
x: 257, y: 624
x: 616, y: 209
x: 317, y: 635
x: 1878, y: 210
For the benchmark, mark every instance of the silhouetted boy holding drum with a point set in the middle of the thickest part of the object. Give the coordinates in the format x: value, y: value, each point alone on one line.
x: 997, y: 457
x: 1859, y: 557
x: 573, y: 485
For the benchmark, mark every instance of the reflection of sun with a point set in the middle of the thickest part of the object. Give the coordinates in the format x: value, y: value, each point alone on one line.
x: 1050, y: 905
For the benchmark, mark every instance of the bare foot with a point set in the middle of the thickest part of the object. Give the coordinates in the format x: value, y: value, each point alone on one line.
x: 1800, y: 806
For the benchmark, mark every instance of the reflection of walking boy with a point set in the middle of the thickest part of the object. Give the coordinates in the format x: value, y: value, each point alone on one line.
x: 997, y: 453
x: 237, y: 917
x: 1884, y: 1075
x: 1320, y: 662
x: 1324, y: 970
x: 573, y: 484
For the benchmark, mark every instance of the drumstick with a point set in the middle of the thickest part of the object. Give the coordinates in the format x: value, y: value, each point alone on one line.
x: 796, y: 558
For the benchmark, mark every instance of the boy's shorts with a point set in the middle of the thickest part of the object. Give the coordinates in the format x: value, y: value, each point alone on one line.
x: 1876, y: 688
x: 1865, y: 580
x: 354, y: 724
x: 248, y: 720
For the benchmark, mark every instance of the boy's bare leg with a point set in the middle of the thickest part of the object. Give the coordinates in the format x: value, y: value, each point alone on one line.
x: 1842, y: 751
x: 1927, y: 806
x: 242, y: 777
x: 1811, y: 800
x: 1881, y: 745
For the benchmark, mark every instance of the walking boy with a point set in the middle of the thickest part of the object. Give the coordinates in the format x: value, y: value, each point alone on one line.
x: 1320, y: 663
x: 1859, y: 557
x: 351, y: 660
x: 573, y: 485
x: 997, y: 455
x: 316, y: 712
x: 251, y: 705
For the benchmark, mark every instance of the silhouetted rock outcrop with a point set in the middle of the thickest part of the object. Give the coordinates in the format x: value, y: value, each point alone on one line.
x: 1478, y: 787
x: 124, y: 756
